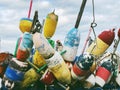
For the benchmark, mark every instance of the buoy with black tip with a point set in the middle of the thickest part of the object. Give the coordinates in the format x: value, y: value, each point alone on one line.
x: 102, y: 43
x: 72, y: 39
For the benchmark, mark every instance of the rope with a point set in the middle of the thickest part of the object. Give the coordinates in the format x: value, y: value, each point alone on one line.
x: 30, y: 8
x: 93, y: 24
x: 86, y: 40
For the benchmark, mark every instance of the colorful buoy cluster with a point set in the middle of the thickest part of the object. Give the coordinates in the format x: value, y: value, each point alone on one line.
x: 38, y: 61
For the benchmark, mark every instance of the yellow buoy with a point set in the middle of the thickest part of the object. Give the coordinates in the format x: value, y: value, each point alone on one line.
x: 102, y: 42
x: 38, y: 60
x: 50, y: 25
x: 25, y: 25
x: 59, y: 68
x: 30, y: 77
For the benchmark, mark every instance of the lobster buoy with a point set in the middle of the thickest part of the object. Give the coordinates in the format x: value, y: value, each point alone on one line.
x: 42, y: 45
x: 58, y: 67
x: 30, y: 77
x: 102, y: 43
x: 5, y: 57
x: 103, y: 73
x: 38, y: 60
x: 71, y: 44
x: 14, y: 73
x: 50, y: 25
x: 25, y: 47
x: 25, y: 25
x: 16, y: 69
x: 47, y: 78
x: 81, y: 66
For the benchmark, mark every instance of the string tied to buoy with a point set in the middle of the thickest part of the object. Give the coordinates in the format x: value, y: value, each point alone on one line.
x: 92, y: 26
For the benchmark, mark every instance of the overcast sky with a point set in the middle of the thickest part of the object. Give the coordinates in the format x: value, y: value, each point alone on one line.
x: 107, y: 15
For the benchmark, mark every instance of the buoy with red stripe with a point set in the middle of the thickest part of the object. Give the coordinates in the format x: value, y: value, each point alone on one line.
x: 50, y: 25
x: 25, y: 47
x: 103, y: 73
x: 81, y: 67
x: 47, y: 78
x: 102, y: 43
x: 5, y: 57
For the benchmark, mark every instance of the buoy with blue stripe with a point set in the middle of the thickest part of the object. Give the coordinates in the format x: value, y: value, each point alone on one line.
x: 102, y: 43
x: 25, y: 25
x: 15, y: 71
x: 25, y: 47
x: 50, y: 25
x: 81, y: 67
